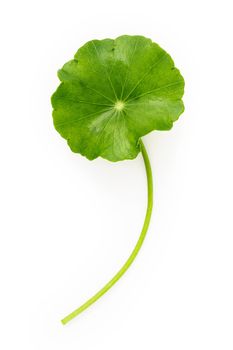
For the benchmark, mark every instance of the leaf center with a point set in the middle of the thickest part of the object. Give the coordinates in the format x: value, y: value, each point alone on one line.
x: 119, y: 105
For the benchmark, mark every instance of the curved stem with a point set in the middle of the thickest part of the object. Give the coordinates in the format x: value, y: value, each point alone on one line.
x: 136, y: 248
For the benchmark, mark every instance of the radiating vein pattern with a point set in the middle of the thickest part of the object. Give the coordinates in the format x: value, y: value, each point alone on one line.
x: 113, y: 92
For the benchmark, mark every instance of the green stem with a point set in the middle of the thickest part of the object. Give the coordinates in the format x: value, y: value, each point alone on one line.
x: 136, y: 248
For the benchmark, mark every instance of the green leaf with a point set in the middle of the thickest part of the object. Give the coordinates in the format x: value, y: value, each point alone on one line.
x: 112, y: 93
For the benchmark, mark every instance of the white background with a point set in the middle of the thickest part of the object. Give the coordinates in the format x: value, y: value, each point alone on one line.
x: 68, y: 224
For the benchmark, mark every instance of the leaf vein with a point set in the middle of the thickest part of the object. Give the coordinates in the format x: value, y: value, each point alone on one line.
x: 157, y: 89
x: 108, y: 77
x: 76, y: 120
x: 144, y: 76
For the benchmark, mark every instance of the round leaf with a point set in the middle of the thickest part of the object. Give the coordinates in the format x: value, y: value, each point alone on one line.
x: 112, y: 93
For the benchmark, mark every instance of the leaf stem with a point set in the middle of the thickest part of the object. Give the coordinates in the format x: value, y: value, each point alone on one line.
x: 136, y: 249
